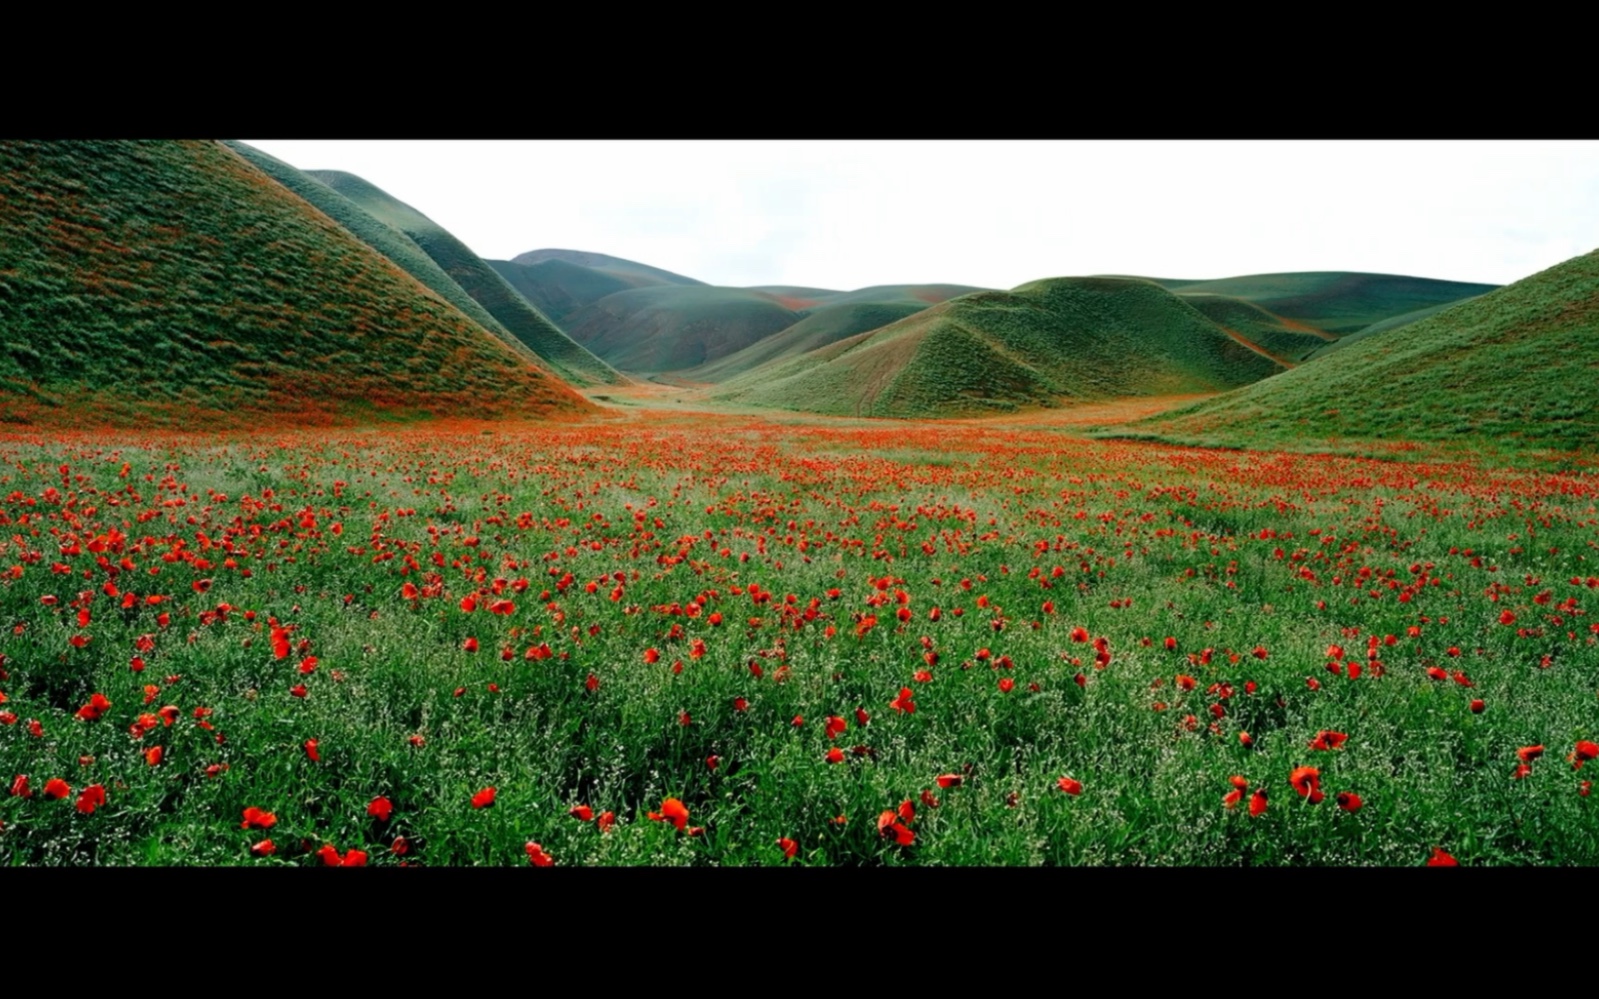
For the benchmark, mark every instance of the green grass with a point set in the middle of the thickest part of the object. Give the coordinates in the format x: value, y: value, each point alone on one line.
x: 1283, y: 338
x: 1018, y: 540
x: 1082, y: 338
x: 675, y: 327
x: 557, y: 288
x: 384, y: 238
x: 1509, y: 371
x: 825, y: 324
x: 1337, y: 302
x: 632, y: 271
x: 480, y: 281
x: 174, y: 282
x: 1382, y: 326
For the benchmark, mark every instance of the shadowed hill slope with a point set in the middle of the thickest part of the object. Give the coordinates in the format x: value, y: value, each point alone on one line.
x: 477, y: 278
x: 174, y: 283
x: 1282, y: 338
x: 674, y: 327
x: 1515, y: 367
x: 1337, y: 302
x: 637, y: 274
x: 1085, y: 338
x: 824, y: 325
x: 558, y: 288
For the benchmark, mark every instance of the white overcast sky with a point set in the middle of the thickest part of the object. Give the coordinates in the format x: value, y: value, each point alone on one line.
x: 847, y: 214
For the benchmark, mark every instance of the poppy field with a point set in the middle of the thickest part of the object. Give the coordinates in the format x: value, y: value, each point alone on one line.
x: 677, y: 639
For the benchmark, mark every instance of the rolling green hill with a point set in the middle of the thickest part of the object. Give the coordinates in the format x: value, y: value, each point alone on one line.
x: 384, y: 238
x: 175, y: 284
x: 1282, y: 338
x: 478, y: 279
x: 1513, y: 368
x: 637, y: 274
x: 558, y: 288
x: 1084, y: 338
x: 1336, y: 302
x: 674, y: 327
x: 824, y: 325
x: 1382, y: 326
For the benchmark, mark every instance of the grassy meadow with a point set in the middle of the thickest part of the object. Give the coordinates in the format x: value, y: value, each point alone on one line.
x: 676, y: 638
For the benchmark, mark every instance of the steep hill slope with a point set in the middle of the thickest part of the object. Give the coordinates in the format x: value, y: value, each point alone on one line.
x: 1513, y: 368
x: 1085, y: 338
x: 479, y: 280
x: 382, y: 237
x: 174, y: 283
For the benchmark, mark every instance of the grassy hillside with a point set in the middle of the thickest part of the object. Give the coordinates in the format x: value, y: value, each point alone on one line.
x: 825, y: 325
x: 382, y: 237
x: 1514, y: 368
x: 174, y: 283
x: 903, y: 294
x: 479, y: 280
x: 674, y: 327
x: 1085, y: 338
x: 637, y: 274
x: 1335, y: 301
x: 1284, y: 339
x: 558, y: 288
x: 1382, y: 326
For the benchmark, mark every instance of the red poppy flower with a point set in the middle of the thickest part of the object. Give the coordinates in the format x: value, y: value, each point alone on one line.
x: 605, y: 821
x: 265, y: 848
x: 1328, y: 740
x: 1307, y: 782
x: 950, y: 780
x: 673, y: 811
x: 95, y: 708
x: 1584, y: 752
x: 255, y: 818
x: 55, y: 787
x: 483, y: 798
x: 1006, y: 685
x: 903, y: 702
x: 1349, y: 801
x: 311, y: 751
x: 537, y: 857
x: 861, y: 717
x: 380, y: 808
x: 92, y: 797
x: 470, y: 644
x: 888, y: 824
x: 330, y: 856
x: 1477, y: 707
x: 153, y: 755
x: 1257, y: 803
x: 788, y: 846
x: 581, y: 812
x: 1441, y: 859
x: 835, y: 755
x: 1070, y: 786
x: 1232, y: 798
x: 298, y: 690
x: 1527, y: 754
x: 19, y: 787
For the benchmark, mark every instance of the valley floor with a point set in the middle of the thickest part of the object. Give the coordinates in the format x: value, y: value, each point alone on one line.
x: 669, y: 636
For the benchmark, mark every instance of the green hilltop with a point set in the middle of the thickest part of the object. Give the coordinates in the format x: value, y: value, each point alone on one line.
x: 1082, y: 338
x: 1336, y: 302
x: 174, y: 283
x: 478, y: 279
x: 674, y: 327
x: 1515, y: 367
